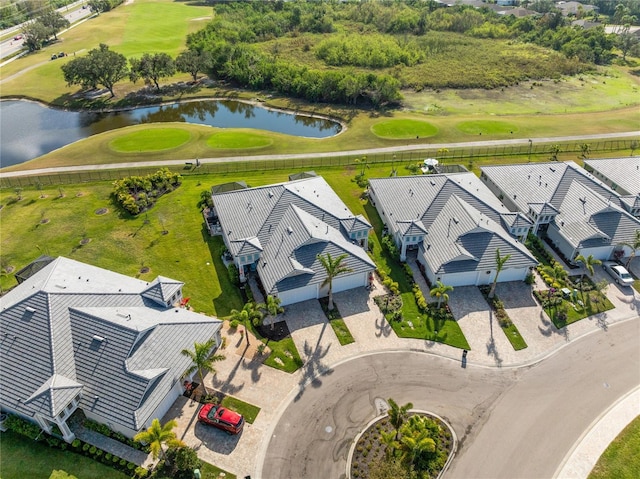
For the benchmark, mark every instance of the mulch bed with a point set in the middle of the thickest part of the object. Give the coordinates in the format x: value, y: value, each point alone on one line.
x: 279, y: 331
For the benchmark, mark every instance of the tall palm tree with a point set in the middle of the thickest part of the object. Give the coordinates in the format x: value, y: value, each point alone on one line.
x: 398, y: 414
x: 589, y: 262
x: 157, y: 436
x: 333, y: 267
x: 634, y: 245
x: 202, y: 359
x: 389, y: 440
x: 500, y: 261
x: 440, y: 291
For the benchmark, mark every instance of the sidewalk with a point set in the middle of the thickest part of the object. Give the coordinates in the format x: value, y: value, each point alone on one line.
x: 243, y: 375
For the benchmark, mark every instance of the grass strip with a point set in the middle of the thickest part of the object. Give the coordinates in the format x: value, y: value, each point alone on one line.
x: 248, y: 411
x: 510, y: 330
x: 337, y: 323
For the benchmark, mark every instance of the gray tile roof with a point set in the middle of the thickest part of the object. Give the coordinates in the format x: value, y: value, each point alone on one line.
x: 558, y: 187
x: 587, y: 219
x: 462, y: 239
x: 74, y: 324
x: 624, y: 172
x: 539, y: 183
x: 162, y: 289
x: 289, y: 224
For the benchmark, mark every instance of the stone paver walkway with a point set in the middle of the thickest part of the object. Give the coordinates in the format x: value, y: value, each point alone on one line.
x: 112, y: 446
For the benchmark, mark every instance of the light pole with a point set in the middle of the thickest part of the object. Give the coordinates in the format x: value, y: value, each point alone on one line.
x: 530, y: 146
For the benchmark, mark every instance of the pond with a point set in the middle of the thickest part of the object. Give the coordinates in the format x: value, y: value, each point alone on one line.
x: 29, y: 130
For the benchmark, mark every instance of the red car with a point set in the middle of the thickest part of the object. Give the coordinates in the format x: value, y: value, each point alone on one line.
x: 217, y: 416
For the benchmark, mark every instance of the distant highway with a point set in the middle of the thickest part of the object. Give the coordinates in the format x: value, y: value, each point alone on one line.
x: 73, y: 12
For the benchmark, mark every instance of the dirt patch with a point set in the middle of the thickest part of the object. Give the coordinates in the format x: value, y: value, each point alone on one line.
x: 144, y: 270
x: 79, y: 194
x: 44, y: 221
x: 85, y: 241
x: 102, y: 211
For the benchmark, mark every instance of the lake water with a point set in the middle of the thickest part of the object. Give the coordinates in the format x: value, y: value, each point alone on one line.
x: 29, y: 130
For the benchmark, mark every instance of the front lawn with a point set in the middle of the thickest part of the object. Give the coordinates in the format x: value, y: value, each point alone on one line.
x: 22, y: 457
x: 621, y: 459
x: 564, y: 311
x: 507, y: 326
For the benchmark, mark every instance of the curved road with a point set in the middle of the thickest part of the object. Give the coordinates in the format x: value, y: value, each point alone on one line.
x: 329, y: 154
x: 511, y: 423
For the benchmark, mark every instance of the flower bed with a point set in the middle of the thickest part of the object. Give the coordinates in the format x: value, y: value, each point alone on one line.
x: 510, y: 329
x: 371, y: 448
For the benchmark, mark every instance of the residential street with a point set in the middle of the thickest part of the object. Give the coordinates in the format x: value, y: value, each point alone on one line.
x: 510, y: 422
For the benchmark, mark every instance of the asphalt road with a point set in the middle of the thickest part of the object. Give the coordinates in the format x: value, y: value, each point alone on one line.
x: 511, y: 423
x: 11, y: 46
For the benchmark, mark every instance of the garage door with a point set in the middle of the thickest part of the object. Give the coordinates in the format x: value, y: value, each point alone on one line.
x: 459, y: 279
x: 511, y: 274
x: 296, y: 295
x: 342, y: 283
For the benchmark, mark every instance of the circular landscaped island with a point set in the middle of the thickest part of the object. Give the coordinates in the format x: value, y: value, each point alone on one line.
x: 422, y: 443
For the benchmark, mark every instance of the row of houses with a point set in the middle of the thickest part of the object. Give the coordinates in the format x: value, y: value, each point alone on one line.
x: 75, y: 336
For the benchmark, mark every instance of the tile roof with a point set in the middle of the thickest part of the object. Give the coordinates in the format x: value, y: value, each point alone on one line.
x: 74, y: 325
x: 289, y: 224
x: 624, y: 172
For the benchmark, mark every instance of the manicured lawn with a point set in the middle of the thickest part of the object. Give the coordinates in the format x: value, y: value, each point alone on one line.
x: 151, y: 139
x: 402, y: 129
x: 249, y: 411
x: 284, y: 350
x: 594, y: 303
x: 621, y: 459
x: 342, y: 331
x: 514, y: 337
x: 487, y: 127
x: 238, y: 139
x: 212, y: 472
x: 24, y: 458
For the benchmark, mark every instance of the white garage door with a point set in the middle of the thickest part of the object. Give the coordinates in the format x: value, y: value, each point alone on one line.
x: 511, y: 274
x: 342, y: 283
x: 602, y: 253
x: 296, y: 295
x: 459, y: 279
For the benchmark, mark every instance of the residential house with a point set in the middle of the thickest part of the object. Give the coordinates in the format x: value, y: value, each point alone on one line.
x: 578, y: 213
x: 75, y: 336
x: 277, y: 231
x: 622, y: 175
x: 575, y: 8
x: 456, y: 225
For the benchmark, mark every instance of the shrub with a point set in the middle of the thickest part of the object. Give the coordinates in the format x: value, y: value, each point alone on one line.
x: 141, y: 472
x: 123, y: 462
x: 23, y: 427
x: 234, y: 323
x: 76, y: 443
x: 390, y: 246
x: 234, y: 275
x: 92, y: 450
x: 86, y: 446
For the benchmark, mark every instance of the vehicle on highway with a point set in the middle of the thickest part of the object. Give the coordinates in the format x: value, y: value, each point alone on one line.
x: 217, y: 416
x: 18, y: 37
x: 618, y: 272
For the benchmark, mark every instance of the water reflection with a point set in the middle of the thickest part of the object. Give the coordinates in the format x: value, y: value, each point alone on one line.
x: 29, y: 130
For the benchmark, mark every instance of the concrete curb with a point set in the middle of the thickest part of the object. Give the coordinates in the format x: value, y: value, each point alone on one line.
x: 585, y: 453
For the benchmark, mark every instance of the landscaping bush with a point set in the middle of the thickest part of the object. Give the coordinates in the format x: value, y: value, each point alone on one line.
x: 21, y: 426
x: 390, y: 247
x: 136, y: 194
x: 420, y: 300
x: 234, y: 275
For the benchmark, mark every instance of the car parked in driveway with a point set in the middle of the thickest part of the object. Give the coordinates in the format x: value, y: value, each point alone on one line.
x: 217, y: 416
x: 618, y: 272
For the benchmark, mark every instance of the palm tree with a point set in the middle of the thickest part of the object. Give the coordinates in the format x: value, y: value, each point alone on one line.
x: 500, y: 261
x: 588, y: 262
x: 273, y: 307
x: 398, y: 414
x: 156, y: 436
x: 333, y: 267
x: 634, y: 245
x: 249, y: 312
x: 416, y: 439
x: 557, y: 273
x: 389, y: 440
x: 202, y: 359
x: 440, y: 291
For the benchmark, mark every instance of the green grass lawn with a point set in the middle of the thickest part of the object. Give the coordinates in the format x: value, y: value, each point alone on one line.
x: 238, y: 139
x: 594, y: 303
x: 210, y: 471
x: 514, y: 337
x: 24, y: 458
x: 342, y: 331
x: 403, y: 129
x: 621, y: 459
x: 284, y: 355
x: 487, y: 127
x: 150, y: 139
x: 248, y: 411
